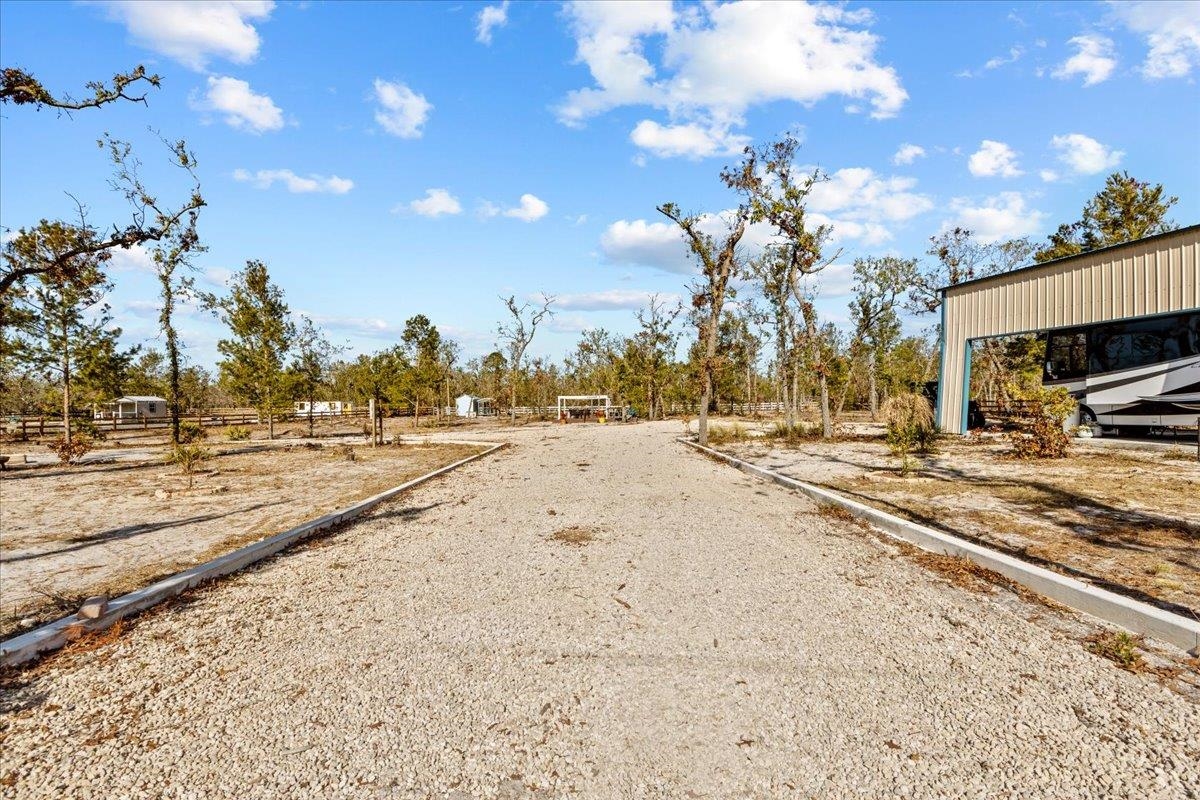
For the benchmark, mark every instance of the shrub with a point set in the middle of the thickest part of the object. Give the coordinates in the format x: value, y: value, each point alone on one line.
x: 238, y: 434
x: 80, y: 445
x: 188, y: 457
x: 1118, y: 647
x: 89, y: 429
x: 191, y: 432
x: 1045, y: 437
x: 909, y: 419
x: 721, y: 434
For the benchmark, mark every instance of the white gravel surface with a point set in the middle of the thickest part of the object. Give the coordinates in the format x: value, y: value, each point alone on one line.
x: 717, y: 638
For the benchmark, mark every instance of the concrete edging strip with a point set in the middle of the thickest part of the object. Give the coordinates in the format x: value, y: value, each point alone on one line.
x: 1109, y: 606
x: 54, y: 635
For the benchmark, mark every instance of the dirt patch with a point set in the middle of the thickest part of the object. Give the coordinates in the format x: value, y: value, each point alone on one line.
x: 111, y: 528
x: 576, y: 536
x: 1118, y: 519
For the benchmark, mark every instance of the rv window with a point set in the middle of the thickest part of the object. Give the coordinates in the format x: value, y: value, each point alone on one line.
x: 152, y: 408
x: 1128, y: 345
x: 1066, y: 356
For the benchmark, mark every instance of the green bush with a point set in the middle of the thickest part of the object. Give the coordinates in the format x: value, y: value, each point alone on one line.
x: 191, y: 432
x: 188, y: 457
x: 237, y: 433
x: 89, y: 429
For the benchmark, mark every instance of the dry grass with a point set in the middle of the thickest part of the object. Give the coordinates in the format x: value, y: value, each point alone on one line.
x: 267, y: 492
x: 575, y: 536
x: 839, y: 514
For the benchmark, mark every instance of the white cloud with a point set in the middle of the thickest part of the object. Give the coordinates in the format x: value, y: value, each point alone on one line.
x: 568, y: 323
x: 1014, y: 54
x: 218, y: 276
x: 194, y: 31
x: 134, y: 259
x: 661, y: 245
x: 1172, y: 31
x: 1084, y: 155
x: 835, y: 280
x: 184, y: 307
x: 530, y: 209
x: 651, y: 244
x: 487, y: 19
x: 1094, y: 59
x: 908, y: 153
x: 992, y: 159
x: 436, y: 203
x: 241, y: 107
x: 373, y: 327
x: 690, y: 140
x: 401, y: 111
x: 718, y: 60
x: 610, y: 300
x: 1048, y: 175
x: 858, y: 204
x: 265, y: 178
x: 1004, y: 216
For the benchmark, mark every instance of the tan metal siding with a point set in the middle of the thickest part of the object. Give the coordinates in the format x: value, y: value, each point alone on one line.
x: 1138, y: 279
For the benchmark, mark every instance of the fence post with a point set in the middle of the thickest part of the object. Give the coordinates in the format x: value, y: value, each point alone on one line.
x: 41, y: 426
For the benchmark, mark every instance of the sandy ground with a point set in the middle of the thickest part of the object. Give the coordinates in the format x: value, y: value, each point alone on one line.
x: 1125, y: 516
x: 112, y: 527
x: 594, y: 612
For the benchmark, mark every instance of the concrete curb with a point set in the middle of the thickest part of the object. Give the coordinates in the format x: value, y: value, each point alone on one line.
x: 54, y: 635
x: 1111, y: 607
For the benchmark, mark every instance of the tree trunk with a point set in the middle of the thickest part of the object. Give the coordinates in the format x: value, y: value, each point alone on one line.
x: 66, y: 370
x: 512, y: 395
x: 311, y: 399
x: 794, y: 408
x: 826, y: 420
x: 416, y: 412
x: 168, y: 328
x: 710, y: 351
x: 873, y: 391
x: 270, y: 417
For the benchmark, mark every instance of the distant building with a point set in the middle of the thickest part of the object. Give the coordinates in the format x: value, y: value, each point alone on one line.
x: 323, y: 408
x: 468, y: 405
x: 134, y: 406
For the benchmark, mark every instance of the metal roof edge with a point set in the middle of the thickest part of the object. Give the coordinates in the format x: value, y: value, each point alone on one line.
x: 1186, y: 229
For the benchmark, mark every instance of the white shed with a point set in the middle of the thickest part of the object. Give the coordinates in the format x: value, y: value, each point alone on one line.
x: 468, y: 405
x: 134, y: 406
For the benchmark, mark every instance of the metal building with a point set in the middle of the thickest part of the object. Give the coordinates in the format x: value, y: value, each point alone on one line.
x: 1155, y: 275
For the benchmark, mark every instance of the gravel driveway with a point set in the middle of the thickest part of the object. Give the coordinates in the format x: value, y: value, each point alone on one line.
x: 715, y: 637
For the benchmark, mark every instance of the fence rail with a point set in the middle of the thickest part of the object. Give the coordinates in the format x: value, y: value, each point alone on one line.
x: 42, y: 425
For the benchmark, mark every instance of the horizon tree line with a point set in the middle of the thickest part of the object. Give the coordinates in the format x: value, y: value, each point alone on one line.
x: 57, y: 337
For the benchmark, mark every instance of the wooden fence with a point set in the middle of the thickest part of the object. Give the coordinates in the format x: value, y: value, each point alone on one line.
x: 27, y: 425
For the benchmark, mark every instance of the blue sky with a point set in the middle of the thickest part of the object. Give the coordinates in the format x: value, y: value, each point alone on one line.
x: 391, y: 159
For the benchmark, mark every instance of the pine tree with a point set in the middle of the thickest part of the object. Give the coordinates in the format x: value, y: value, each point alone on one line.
x: 422, y: 345
x: 62, y: 324
x: 313, y: 358
x: 1125, y: 210
x: 263, y: 333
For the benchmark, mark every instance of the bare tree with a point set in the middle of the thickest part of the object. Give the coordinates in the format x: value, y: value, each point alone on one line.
x: 777, y: 194
x: 772, y: 271
x: 20, y: 88
x: 517, y: 335
x: 718, y: 264
x: 56, y: 248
